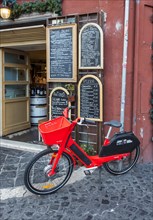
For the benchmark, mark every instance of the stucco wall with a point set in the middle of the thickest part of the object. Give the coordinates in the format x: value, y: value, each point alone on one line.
x: 137, y: 96
x: 113, y: 47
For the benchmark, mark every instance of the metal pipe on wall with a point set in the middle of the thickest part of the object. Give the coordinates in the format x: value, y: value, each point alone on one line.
x: 124, y: 64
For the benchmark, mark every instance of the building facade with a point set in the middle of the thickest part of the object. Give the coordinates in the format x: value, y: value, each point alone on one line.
x: 139, y: 63
x: 139, y: 66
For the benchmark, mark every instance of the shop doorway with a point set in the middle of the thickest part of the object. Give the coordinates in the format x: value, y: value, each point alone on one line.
x: 15, y: 91
x: 27, y: 44
x: 24, y: 93
x: 38, y: 97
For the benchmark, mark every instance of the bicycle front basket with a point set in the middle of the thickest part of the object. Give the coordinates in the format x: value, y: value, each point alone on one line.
x: 54, y: 131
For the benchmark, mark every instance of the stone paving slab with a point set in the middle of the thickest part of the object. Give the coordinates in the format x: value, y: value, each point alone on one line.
x: 126, y: 197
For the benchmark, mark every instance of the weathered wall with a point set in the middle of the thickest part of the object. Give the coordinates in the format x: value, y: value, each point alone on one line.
x: 143, y: 77
x: 113, y: 49
x: 139, y: 76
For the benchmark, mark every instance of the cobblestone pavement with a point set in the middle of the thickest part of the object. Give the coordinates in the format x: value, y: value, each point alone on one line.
x: 126, y: 197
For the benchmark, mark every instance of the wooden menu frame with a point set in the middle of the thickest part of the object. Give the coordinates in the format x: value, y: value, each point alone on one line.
x: 50, y: 100
x: 100, y: 118
x: 59, y: 60
x: 100, y: 48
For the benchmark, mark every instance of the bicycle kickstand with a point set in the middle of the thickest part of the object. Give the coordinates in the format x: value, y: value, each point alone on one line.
x: 100, y: 179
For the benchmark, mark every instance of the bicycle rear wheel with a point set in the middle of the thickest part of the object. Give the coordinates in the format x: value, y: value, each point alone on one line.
x: 36, y: 179
x: 118, y: 167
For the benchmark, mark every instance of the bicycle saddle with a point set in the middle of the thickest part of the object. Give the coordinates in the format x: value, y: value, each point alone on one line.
x: 113, y: 123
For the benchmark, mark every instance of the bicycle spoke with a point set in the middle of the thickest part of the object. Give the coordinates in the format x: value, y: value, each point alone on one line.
x: 37, y: 179
x: 123, y: 165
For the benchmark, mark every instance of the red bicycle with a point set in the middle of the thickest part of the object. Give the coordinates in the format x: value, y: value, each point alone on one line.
x: 50, y: 169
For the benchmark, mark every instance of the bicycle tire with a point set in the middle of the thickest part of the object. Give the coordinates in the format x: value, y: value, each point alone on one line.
x: 131, y: 160
x: 35, y: 176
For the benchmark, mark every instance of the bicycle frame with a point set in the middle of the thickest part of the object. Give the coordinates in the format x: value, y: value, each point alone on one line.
x: 70, y: 147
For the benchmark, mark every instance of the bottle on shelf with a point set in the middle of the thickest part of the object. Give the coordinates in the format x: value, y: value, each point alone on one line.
x: 41, y: 91
x: 37, y: 90
x: 45, y: 91
x: 32, y: 91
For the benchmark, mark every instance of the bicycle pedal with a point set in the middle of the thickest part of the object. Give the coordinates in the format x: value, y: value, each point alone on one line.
x: 89, y: 171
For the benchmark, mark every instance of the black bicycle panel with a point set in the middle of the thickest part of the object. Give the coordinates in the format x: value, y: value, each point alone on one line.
x: 80, y: 154
x: 120, y: 143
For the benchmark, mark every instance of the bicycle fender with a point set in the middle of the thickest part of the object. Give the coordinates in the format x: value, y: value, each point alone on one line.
x: 120, y: 143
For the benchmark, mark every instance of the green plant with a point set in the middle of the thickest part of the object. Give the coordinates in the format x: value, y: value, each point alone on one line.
x: 71, y: 88
x: 37, y: 6
x: 89, y: 149
x: 16, y: 11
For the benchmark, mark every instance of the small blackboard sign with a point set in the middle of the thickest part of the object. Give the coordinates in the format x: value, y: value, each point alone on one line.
x: 91, y: 47
x: 90, y: 98
x: 62, y: 53
x: 58, y: 101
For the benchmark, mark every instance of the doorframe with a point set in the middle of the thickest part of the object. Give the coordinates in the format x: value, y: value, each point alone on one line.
x: 25, y: 124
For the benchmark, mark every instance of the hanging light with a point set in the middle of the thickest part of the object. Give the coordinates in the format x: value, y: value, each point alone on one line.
x: 5, y: 11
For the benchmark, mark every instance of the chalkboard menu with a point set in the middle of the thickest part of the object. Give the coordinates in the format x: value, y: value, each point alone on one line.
x: 58, y: 102
x: 90, y: 98
x: 91, y: 47
x: 62, y: 53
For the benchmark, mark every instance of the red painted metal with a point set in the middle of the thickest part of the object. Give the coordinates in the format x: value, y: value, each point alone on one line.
x: 96, y: 161
x: 66, y: 112
x: 106, y: 142
x: 68, y: 142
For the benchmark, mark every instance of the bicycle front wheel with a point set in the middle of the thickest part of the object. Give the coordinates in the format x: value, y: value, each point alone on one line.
x: 36, y: 179
x: 118, y: 167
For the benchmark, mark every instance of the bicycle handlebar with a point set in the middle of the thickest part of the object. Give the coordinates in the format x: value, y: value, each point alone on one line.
x: 86, y: 121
